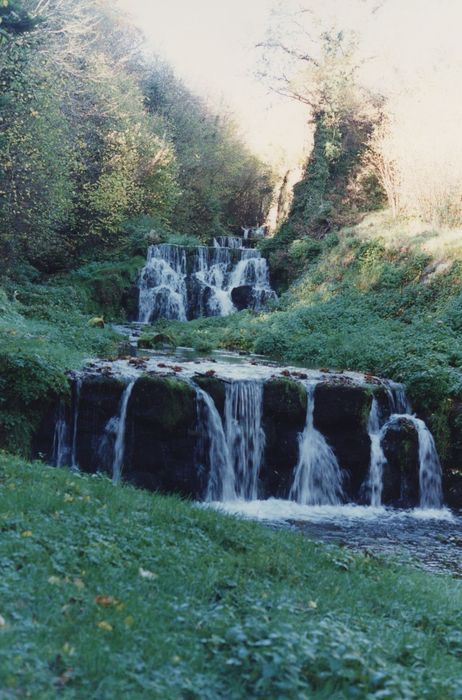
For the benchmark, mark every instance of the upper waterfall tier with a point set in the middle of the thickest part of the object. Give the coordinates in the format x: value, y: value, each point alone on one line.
x: 183, y: 283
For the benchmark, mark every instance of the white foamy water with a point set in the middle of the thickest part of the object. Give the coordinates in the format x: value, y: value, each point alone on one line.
x: 279, y: 510
x: 183, y: 283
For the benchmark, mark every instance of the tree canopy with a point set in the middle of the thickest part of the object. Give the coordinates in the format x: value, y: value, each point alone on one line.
x: 92, y: 133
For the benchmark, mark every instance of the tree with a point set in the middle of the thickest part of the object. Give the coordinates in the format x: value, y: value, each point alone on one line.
x: 342, y: 116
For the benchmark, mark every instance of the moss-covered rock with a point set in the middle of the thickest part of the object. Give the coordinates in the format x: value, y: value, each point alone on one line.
x: 341, y: 414
x: 161, y: 436
x: 401, y: 472
x: 29, y: 390
x: 96, y: 322
x: 167, y: 403
x: 216, y: 388
x: 284, y: 415
x: 158, y: 340
x: 98, y: 401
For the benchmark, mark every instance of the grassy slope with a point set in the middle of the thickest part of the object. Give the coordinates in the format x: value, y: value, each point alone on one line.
x: 44, y: 332
x: 108, y: 592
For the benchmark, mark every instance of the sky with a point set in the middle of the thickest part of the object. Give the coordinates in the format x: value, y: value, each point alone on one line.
x: 413, y: 51
x: 212, y: 46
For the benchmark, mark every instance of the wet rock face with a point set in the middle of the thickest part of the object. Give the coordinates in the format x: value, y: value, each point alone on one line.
x: 161, y: 437
x: 284, y: 416
x: 216, y: 388
x: 163, y: 426
x: 99, y: 401
x: 401, y: 472
x: 242, y: 297
x: 130, y: 302
x: 341, y: 414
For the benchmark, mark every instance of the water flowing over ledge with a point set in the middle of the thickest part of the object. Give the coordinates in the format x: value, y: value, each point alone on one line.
x: 249, y: 431
x: 183, y: 283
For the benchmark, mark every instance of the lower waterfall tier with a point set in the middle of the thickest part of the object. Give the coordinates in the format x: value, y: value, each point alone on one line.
x: 218, y: 433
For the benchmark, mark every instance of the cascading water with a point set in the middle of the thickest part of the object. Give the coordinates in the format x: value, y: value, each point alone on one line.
x: 229, y: 459
x: 227, y: 242
x: 184, y: 283
x: 163, y: 284
x: 211, y: 267
x: 318, y: 477
x: 213, y: 447
x: 399, y: 403
x: 374, y: 485
x: 252, y: 271
x: 60, y: 450
x: 77, y: 390
x: 119, y: 445
x: 244, y: 434
x: 430, y: 474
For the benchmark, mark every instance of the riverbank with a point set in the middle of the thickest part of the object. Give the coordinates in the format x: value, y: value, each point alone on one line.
x: 108, y: 591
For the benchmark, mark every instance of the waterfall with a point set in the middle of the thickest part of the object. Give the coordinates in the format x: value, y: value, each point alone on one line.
x: 221, y: 480
x: 60, y: 450
x: 252, y: 270
x: 374, y: 485
x: 244, y: 434
x: 183, y: 283
x: 399, y: 403
x: 211, y: 271
x: 430, y: 474
x: 77, y: 389
x: 163, y: 284
x: 227, y: 242
x: 119, y: 446
x: 318, y: 477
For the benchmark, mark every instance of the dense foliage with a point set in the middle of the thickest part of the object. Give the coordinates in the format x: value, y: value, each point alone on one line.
x: 45, y: 330
x: 93, y: 134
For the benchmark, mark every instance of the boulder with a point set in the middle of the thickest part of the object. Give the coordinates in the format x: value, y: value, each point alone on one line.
x: 400, y: 445
x: 341, y: 414
x: 242, y: 297
x: 130, y: 302
x: 98, y: 403
x: 161, y: 437
x: 284, y: 416
x: 216, y: 388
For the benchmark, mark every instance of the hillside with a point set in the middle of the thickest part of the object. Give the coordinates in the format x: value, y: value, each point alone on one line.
x: 180, y: 601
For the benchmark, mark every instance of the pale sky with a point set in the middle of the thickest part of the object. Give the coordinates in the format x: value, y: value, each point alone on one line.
x: 212, y: 46
x: 412, y: 46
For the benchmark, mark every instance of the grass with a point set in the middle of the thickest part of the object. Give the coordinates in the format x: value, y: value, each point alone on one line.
x: 109, y: 592
x: 44, y: 331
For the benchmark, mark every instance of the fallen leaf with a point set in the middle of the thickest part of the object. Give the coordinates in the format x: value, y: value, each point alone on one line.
x: 312, y: 604
x: 54, y: 580
x: 2, y: 621
x: 103, y: 625
x: 144, y: 573
x: 26, y: 533
x: 78, y: 583
x: 105, y: 600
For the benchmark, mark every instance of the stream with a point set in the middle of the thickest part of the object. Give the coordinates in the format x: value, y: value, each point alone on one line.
x: 428, y: 539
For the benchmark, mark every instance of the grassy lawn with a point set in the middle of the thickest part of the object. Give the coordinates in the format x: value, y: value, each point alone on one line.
x: 109, y: 592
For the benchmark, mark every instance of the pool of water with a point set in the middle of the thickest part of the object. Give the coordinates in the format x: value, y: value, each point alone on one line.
x: 430, y: 539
